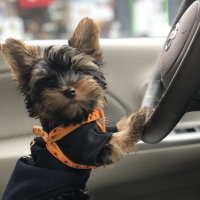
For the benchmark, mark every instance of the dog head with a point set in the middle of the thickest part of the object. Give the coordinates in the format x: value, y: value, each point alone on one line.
x: 63, y: 85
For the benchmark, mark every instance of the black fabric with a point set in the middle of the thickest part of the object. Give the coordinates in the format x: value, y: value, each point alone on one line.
x: 43, y: 173
x: 111, y: 129
x: 58, y: 194
x: 84, y: 144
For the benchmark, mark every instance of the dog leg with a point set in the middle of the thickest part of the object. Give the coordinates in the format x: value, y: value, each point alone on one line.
x: 130, y: 131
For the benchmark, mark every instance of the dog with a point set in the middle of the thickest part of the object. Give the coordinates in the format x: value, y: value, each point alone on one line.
x: 65, y: 89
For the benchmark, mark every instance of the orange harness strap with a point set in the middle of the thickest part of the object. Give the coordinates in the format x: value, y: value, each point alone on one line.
x: 59, y: 132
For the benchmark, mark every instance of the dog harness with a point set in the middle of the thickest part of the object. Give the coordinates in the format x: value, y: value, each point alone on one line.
x: 59, y: 132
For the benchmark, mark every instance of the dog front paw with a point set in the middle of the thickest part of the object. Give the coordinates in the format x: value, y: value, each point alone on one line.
x: 130, y: 131
x: 138, y: 121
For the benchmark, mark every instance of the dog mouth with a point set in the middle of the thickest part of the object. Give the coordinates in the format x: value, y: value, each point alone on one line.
x: 73, y: 101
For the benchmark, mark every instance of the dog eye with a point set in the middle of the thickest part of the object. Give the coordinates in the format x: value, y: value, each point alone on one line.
x: 79, y: 71
x: 51, y: 82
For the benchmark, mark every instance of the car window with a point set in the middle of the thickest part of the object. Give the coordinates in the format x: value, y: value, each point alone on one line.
x: 56, y: 19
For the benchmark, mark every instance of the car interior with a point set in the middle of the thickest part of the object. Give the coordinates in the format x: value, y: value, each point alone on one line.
x: 157, y: 72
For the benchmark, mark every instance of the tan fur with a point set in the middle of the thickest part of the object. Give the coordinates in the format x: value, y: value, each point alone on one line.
x: 87, y: 89
x: 81, y: 60
x: 54, y: 99
x: 130, y: 133
x: 19, y: 55
x: 86, y: 38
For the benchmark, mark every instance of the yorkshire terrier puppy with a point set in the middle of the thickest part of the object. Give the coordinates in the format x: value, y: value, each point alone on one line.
x: 65, y: 89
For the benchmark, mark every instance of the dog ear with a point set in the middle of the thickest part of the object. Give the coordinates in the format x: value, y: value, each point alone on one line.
x: 20, y: 58
x: 86, y: 38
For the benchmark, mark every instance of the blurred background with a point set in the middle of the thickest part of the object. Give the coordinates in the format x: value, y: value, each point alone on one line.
x: 56, y: 19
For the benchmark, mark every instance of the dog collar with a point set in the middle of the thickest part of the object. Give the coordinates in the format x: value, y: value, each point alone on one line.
x: 59, y: 132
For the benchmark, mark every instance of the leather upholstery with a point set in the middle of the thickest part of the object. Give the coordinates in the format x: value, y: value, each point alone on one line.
x: 178, y: 74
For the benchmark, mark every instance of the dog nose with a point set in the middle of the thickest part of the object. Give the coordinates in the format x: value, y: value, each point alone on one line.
x: 70, y: 93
